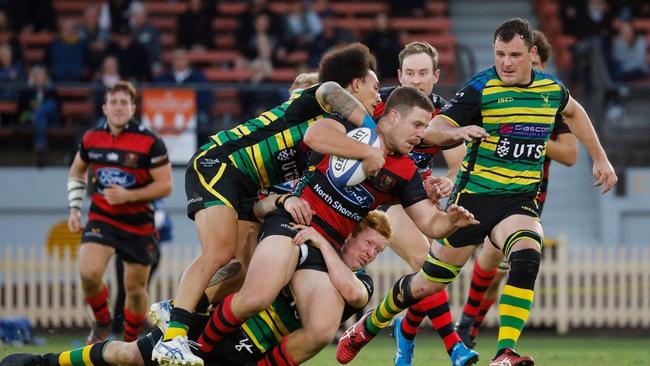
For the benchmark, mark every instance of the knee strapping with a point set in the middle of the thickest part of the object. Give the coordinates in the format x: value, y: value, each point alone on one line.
x: 438, y: 271
x: 524, y: 266
x: 404, y: 297
x: 520, y: 235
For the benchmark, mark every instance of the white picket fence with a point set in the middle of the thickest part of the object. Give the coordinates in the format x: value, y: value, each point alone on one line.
x: 576, y: 287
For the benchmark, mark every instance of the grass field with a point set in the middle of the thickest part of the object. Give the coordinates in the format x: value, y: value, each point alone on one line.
x: 547, y: 349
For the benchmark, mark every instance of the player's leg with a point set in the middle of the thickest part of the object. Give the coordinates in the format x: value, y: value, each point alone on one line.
x: 136, y: 277
x: 320, y: 307
x: 270, y: 270
x: 99, y: 354
x: 483, y: 273
x: 93, y: 258
x: 520, y: 238
x: 412, y: 246
x: 489, y: 299
x: 440, y: 268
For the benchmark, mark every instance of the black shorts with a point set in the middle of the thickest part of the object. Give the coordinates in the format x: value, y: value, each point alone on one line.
x: 489, y: 210
x: 212, y: 180
x: 132, y: 248
x: 235, y: 349
x: 278, y: 222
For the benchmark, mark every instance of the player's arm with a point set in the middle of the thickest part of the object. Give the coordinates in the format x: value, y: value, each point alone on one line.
x: 332, y: 97
x: 76, y: 191
x: 457, y: 120
x: 564, y: 149
x: 576, y: 117
x: 299, y: 209
x: 437, y: 224
x: 160, y: 186
x: 352, y: 290
x: 454, y: 158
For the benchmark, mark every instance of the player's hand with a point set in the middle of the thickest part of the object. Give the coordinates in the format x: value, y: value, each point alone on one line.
x: 116, y: 195
x: 444, y: 184
x: 460, y: 216
x: 74, y: 221
x: 308, y: 234
x: 604, y: 174
x: 373, y: 161
x: 299, y: 209
x: 470, y: 133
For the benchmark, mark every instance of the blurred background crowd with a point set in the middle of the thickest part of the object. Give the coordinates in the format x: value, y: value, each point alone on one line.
x: 58, y: 56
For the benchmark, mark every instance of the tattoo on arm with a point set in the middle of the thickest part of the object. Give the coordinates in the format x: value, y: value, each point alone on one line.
x: 339, y: 99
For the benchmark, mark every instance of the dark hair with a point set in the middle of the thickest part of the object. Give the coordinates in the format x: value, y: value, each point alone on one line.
x: 407, y: 97
x: 416, y: 47
x: 347, y: 63
x: 543, y: 46
x: 507, y: 30
x: 122, y: 86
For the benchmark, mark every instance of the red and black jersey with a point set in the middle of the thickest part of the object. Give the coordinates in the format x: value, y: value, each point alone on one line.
x: 422, y: 153
x: 339, y: 209
x: 559, y: 128
x: 122, y: 160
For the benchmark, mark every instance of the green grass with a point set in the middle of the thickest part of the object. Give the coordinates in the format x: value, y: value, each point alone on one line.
x: 548, y: 349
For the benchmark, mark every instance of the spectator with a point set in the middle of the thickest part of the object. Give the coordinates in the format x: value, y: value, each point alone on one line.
x: 303, y: 25
x: 182, y: 73
x: 194, y: 26
x: 130, y: 56
x: 10, y: 72
x: 246, y: 25
x: 630, y: 54
x: 330, y: 37
x: 93, y: 36
x: 262, y: 46
x: 146, y: 34
x: 39, y: 106
x: 66, y: 55
x: 114, y: 15
x: 105, y: 79
x: 32, y: 16
x: 383, y: 41
x: 7, y: 37
x: 411, y: 8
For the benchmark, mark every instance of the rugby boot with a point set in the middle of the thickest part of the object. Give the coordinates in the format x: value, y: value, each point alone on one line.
x: 159, y: 313
x: 99, y: 333
x: 353, y: 340
x: 404, y: 352
x: 176, y: 351
x: 463, y: 327
x: 512, y: 358
x: 23, y: 359
x: 463, y: 356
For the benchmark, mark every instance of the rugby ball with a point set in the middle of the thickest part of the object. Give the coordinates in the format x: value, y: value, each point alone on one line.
x: 349, y: 172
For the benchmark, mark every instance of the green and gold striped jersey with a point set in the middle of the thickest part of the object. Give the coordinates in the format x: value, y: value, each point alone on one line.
x: 268, y: 327
x: 267, y: 148
x: 519, y: 119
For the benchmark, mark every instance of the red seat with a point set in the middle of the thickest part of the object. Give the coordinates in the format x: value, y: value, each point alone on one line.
x: 164, y: 24
x: 223, y: 24
x: 430, y: 24
x: 68, y: 7
x: 231, y: 8
x: 165, y: 8
x: 437, y: 8
x: 359, y: 8
x: 73, y: 109
x: 216, y: 74
x: 74, y: 92
x: 439, y: 41
x: 31, y: 39
x: 283, y: 74
x: 8, y: 107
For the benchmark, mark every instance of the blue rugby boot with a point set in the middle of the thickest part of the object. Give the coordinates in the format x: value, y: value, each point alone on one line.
x: 463, y: 356
x: 404, y: 353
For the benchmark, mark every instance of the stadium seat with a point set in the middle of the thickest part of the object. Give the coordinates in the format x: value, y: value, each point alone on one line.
x: 351, y: 9
x: 207, y: 57
x: 223, y: 24
x: 165, y: 8
x: 437, y: 8
x: 283, y: 74
x: 231, y: 8
x: 69, y: 7
x: 425, y: 25
x: 216, y: 74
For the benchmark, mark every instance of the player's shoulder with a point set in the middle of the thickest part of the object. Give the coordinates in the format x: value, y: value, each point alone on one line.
x: 541, y: 76
x: 482, y: 78
x: 384, y: 92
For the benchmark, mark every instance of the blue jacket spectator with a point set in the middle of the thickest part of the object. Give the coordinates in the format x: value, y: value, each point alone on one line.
x: 66, y: 55
x: 145, y: 34
x: 10, y: 72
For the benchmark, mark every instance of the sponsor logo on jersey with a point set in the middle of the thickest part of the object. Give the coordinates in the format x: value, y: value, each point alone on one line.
x: 208, y: 163
x: 112, y: 156
x: 95, y: 155
x: 131, y: 159
x: 289, y: 163
x: 518, y: 149
x: 108, y: 176
x: 532, y: 130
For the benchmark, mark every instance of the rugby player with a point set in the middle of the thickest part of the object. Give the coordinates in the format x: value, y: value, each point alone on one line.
x: 506, y: 113
x: 336, y: 212
x: 130, y: 169
x: 490, y: 268
x: 224, y: 176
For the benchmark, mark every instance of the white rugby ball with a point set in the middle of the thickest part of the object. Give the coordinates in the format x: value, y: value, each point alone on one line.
x: 349, y: 172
